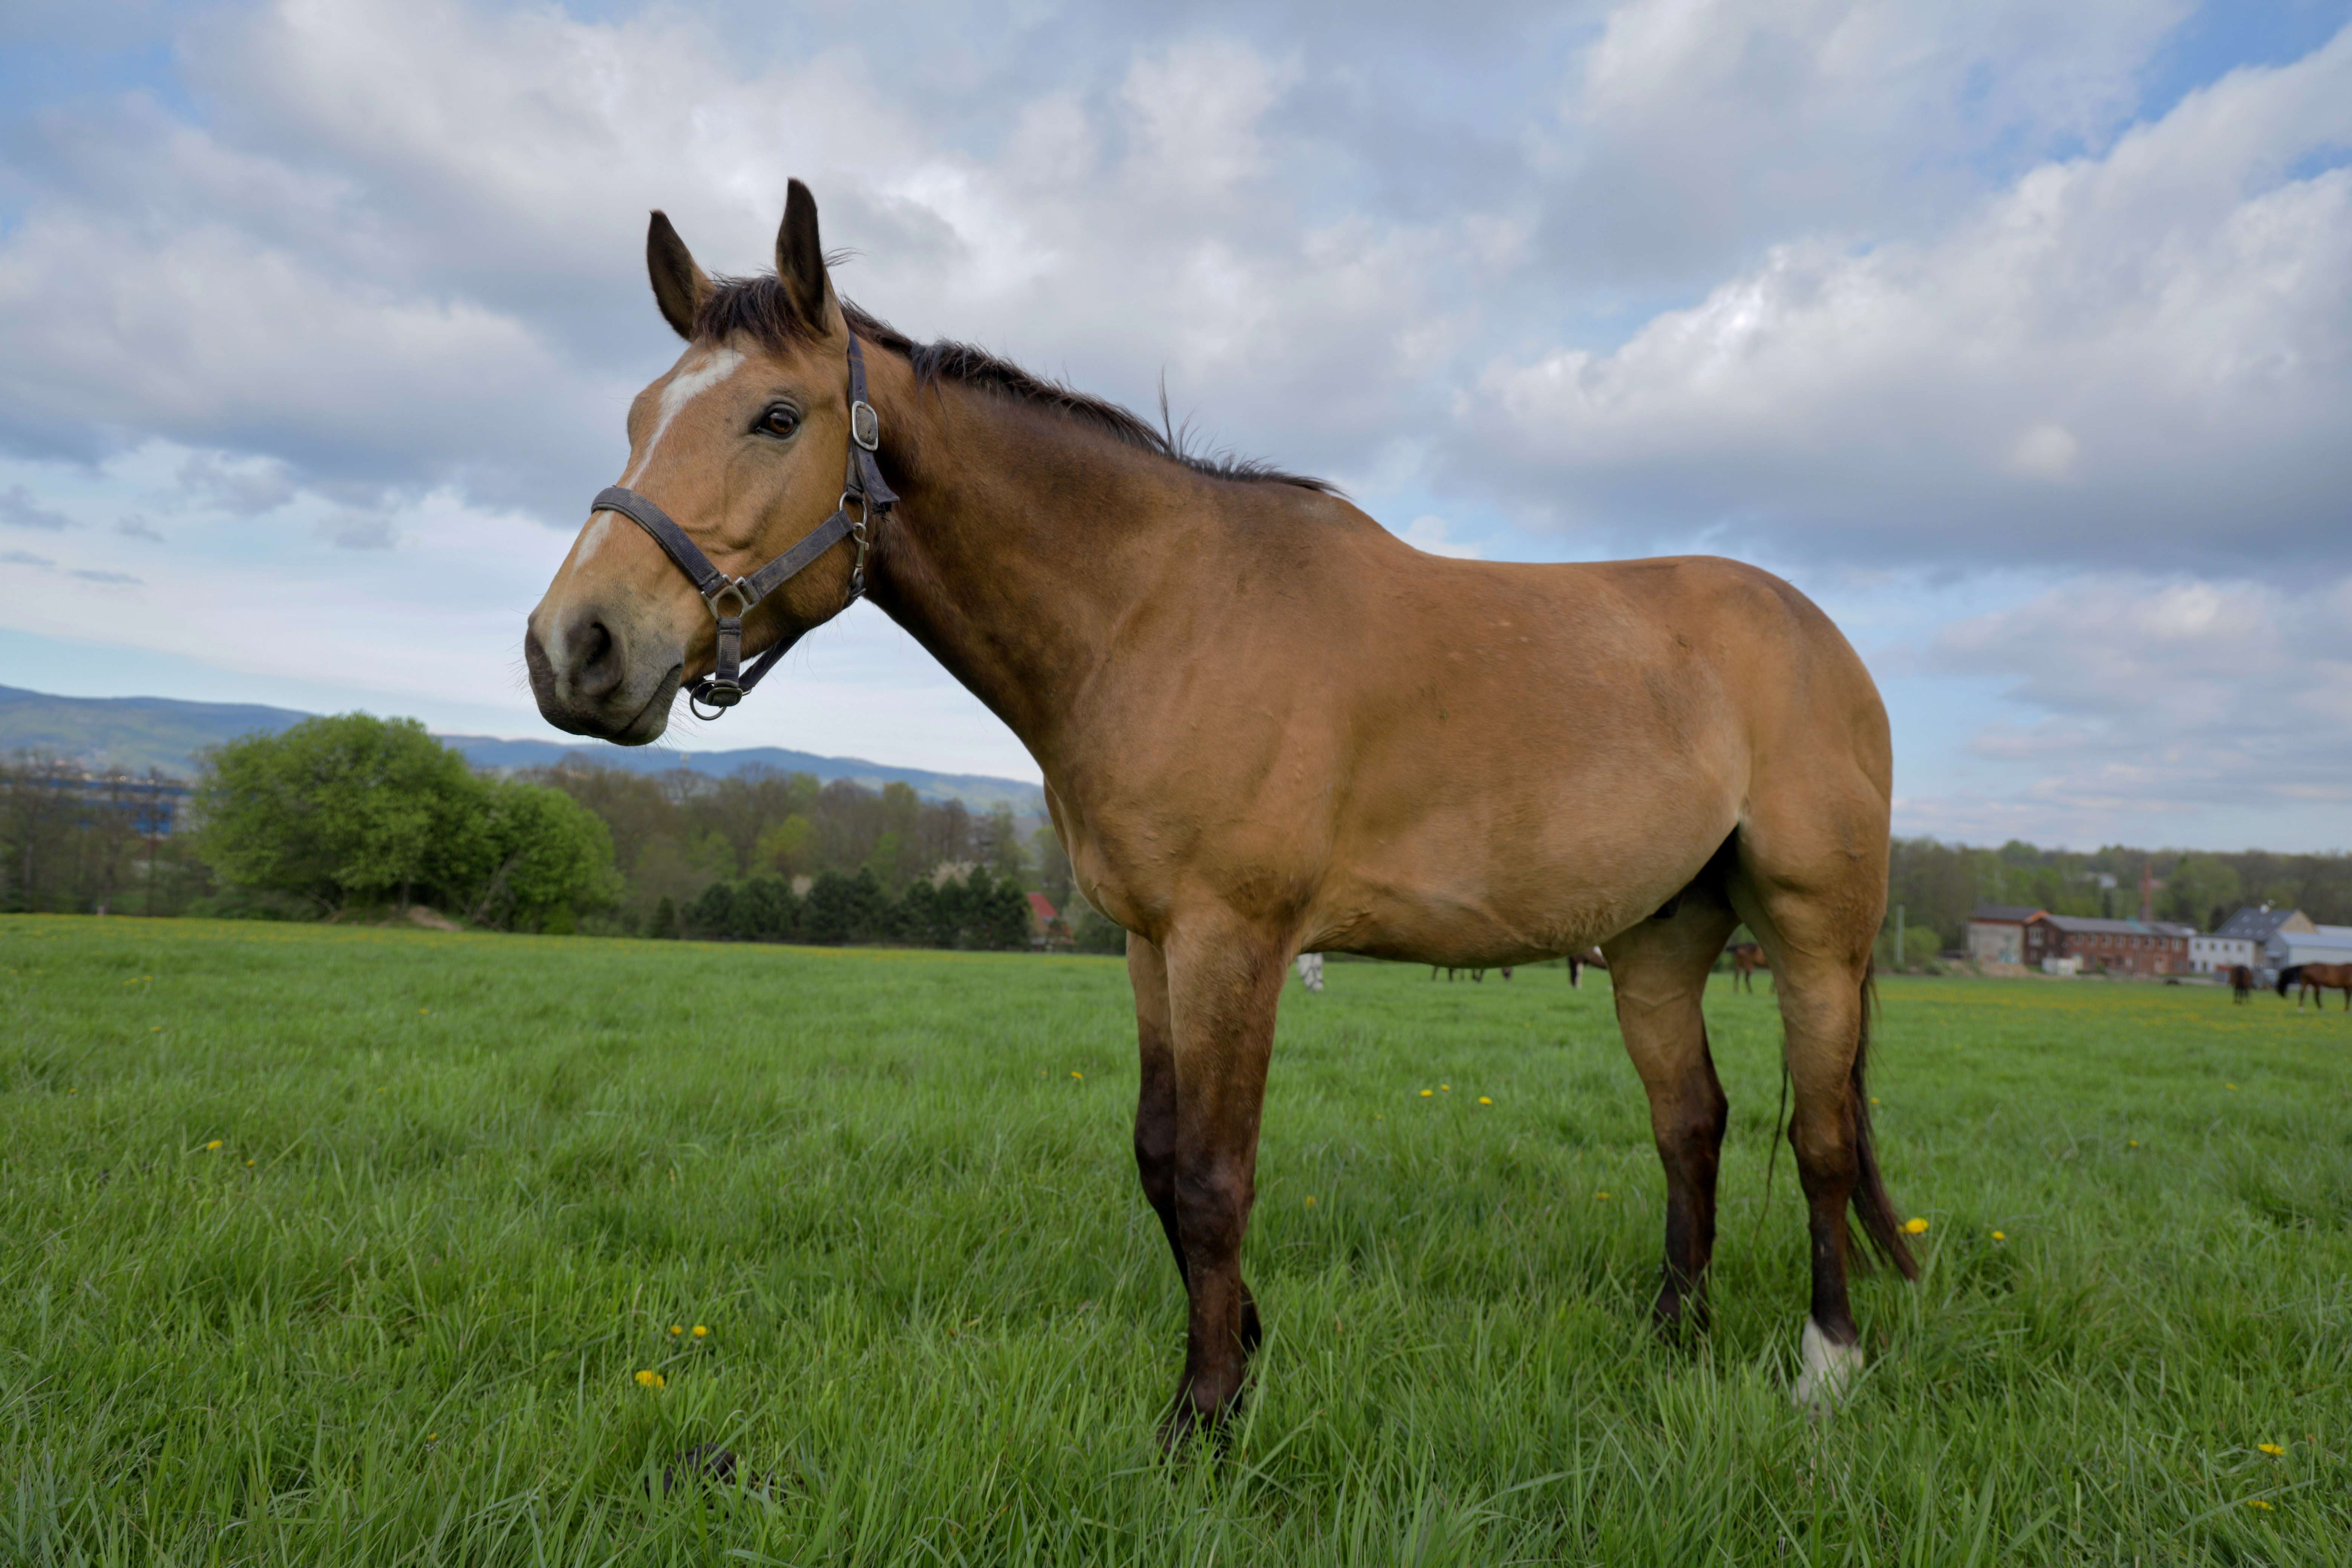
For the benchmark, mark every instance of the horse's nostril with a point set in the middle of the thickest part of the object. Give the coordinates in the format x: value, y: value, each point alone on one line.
x: 597, y: 665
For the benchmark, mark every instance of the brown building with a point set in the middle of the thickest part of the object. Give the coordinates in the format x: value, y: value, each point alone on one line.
x: 2111, y: 947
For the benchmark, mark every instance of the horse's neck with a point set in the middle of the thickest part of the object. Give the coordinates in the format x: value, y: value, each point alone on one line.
x: 1018, y: 546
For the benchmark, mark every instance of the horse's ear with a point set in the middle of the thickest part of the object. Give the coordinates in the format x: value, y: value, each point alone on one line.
x: 679, y: 286
x: 799, y: 263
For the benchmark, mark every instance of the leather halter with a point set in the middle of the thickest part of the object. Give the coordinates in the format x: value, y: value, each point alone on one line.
x: 724, y: 687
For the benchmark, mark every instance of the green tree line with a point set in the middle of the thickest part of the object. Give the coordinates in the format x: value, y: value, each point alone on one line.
x: 977, y: 910
x: 354, y: 811
x: 1937, y: 884
x: 678, y: 833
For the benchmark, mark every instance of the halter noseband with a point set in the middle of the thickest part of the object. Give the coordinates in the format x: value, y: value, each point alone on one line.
x: 724, y: 687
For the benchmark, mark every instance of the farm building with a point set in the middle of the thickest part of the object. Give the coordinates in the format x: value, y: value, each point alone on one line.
x: 2273, y: 939
x: 2253, y: 930
x: 1045, y: 926
x: 1996, y: 933
x: 2216, y: 955
x: 2320, y: 944
x: 2114, y: 947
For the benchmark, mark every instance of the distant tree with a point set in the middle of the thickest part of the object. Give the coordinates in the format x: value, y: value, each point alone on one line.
x: 550, y: 858
x: 664, y: 923
x: 1053, y: 875
x: 1000, y: 843
x: 334, y: 810
x: 786, y: 847
x: 357, y: 809
x: 2195, y: 886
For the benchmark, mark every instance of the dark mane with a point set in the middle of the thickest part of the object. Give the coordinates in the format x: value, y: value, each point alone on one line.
x: 758, y: 307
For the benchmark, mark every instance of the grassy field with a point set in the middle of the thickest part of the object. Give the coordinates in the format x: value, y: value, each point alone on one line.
x: 355, y: 1246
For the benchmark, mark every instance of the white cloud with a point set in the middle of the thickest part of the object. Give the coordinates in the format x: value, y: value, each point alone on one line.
x: 2168, y: 327
x: 2165, y: 695
x: 1696, y: 125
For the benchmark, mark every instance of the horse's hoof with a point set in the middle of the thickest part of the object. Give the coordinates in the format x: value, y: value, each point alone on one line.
x: 1188, y: 1420
x: 704, y: 1462
x: 1827, y: 1374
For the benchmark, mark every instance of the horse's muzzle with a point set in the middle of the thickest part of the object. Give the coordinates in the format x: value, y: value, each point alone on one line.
x: 581, y: 677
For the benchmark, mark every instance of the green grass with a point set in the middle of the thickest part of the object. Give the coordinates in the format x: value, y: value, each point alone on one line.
x: 464, y: 1185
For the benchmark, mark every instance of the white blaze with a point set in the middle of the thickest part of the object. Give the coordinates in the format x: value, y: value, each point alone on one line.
x: 684, y: 387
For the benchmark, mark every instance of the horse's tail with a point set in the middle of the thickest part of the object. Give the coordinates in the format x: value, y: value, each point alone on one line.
x: 2290, y: 975
x: 1870, y: 1204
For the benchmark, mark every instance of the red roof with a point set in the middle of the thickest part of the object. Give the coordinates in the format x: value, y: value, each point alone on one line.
x: 1040, y: 911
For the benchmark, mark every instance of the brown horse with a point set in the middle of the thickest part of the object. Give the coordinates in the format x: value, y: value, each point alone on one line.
x: 2317, y: 980
x: 1747, y: 958
x: 2241, y: 984
x: 1268, y: 726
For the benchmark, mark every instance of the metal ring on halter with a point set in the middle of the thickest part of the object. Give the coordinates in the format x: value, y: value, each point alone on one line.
x: 858, y: 567
x: 744, y: 598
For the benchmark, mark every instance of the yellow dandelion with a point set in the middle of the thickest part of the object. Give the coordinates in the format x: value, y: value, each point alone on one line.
x: 700, y: 1332
x: 1311, y: 1202
x: 1078, y: 1075
x: 2133, y: 1144
x: 1446, y: 1087
x: 1485, y: 1100
x: 1427, y: 1092
x: 154, y: 1029
x: 73, y: 1091
x: 422, y: 1010
x: 2001, y: 1235
x: 2233, y: 1085
x: 249, y: 1165
x: 677, y: 1329
x: 651, y: 1379
x: 1915, y: 1228
x: 433, y: 1436
x: 2273, y: 1449
x: 1873, y: 1100
x: 1601, y: 1197
x: 2257, y: 1502
x: 214, y: 1144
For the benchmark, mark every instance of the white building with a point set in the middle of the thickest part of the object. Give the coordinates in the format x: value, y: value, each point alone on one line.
x: 2321, y: 944
x: 2219, y: 955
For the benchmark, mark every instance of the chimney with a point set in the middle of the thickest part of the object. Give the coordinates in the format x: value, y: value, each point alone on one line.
x: 2146, y: 891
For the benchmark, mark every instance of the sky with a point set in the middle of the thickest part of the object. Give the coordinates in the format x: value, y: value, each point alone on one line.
x: 2017, y: 335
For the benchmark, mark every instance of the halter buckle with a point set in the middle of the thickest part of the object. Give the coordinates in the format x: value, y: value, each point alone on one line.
x: 740, y: 588
x: 865, y: 425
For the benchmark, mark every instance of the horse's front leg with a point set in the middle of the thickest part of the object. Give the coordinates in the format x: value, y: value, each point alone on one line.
x: 1224, y: 981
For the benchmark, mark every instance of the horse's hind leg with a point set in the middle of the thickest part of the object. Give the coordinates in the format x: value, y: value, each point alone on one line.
x: 1658, y: 972
x: 1818, y: 941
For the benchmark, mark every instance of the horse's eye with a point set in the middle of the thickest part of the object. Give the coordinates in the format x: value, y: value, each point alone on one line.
x: 780, y: 421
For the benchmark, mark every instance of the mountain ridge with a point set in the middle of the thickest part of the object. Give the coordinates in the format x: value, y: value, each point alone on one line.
x: 164, y: 732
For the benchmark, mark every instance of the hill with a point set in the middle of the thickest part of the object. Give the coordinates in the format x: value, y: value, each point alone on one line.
x: 143, y: 732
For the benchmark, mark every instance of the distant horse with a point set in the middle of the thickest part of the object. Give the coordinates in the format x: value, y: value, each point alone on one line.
x: 1268, y: 726
x: 2242, y: 984
x: 2318, y: 979
x: 1578, y: 962
x: 1747, y: 958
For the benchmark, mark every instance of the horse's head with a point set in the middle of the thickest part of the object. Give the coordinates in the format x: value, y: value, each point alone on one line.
x: 743, y: 444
